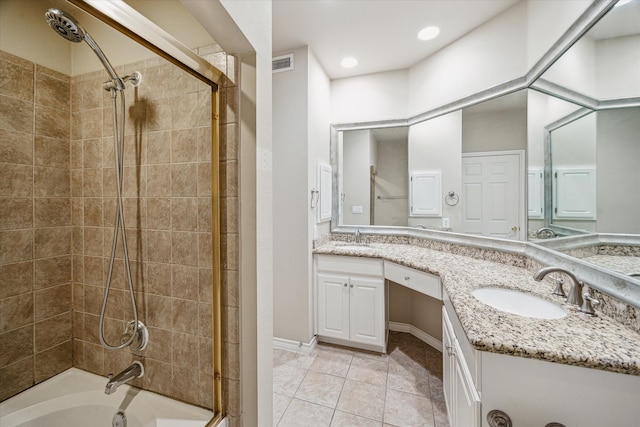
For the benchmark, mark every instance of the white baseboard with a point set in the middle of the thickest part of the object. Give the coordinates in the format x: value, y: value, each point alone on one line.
x: 297, y: 346
x: 418, y: 333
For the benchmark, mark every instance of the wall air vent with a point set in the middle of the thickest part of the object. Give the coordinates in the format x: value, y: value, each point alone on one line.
x: 282, y: 63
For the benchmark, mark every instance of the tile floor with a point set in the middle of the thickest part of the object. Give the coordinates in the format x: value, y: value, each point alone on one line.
x: 343, y: 387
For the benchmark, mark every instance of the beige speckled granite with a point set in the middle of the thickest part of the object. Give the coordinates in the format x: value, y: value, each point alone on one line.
x: 623, y: 264
x: 591, y: 342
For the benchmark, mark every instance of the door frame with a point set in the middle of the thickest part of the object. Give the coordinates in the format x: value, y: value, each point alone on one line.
x: 522, y: 182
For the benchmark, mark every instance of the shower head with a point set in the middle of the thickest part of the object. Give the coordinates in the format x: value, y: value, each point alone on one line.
x: 64, y: 25
x: 68, y: 28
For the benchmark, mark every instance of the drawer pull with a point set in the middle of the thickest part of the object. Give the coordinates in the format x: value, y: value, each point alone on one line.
x: 406, y: 277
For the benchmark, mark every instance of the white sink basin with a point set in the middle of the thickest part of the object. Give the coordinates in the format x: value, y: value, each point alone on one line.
x: 520, y: 303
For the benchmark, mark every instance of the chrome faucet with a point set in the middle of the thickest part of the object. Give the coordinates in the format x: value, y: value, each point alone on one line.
x: 135, y: 370
x: 575, y: 293
x: 546, y: 233
x: 357, y: 238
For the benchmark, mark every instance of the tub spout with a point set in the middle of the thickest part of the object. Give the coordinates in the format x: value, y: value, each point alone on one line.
x: 135, y: 370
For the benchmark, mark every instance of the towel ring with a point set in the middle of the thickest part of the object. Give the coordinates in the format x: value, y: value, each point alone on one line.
x: 451, y: 198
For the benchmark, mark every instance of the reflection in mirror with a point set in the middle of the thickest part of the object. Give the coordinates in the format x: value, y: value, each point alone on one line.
x: 591, y: 181
x: 545, y: 114
x: 415, y: 175
x: 374, y: 171
x: 605, y: 63
x: 590, y: 160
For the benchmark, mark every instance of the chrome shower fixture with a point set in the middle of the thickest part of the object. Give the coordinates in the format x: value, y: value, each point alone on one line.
x: 69, y: 28
x: 135, y: 334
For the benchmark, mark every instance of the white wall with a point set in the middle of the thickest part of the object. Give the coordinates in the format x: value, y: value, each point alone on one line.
x: 44, y: 47
x: 498, y: 51
x: 291, y: 224
x: 437, y: 145
x: 546, y: 22
x: 253, y: 18
x: 319, y: 133
x: 491, y: 54
x: 576, y: 69
x: 618, y: 179
x: 301, y: 111
x: 380, y: 96
x: 574, y: 144
x: 392, y: 179
x: 494, y: 130
x: 618, y: 67
x: 357, y: 160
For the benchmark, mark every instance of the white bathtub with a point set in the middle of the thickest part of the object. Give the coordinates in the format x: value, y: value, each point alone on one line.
x: 76, y: 398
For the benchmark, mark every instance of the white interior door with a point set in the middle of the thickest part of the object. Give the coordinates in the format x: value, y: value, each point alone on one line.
x: 492, y: 195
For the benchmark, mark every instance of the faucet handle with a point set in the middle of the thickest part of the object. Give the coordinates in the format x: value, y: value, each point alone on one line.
x: 559, y: 290
x: 588, y: 303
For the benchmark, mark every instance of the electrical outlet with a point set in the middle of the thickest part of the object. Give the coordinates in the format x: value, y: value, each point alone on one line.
x: 356, y: 209
x: 445, y: 222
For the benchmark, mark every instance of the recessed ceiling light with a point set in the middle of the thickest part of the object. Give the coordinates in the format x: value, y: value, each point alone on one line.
x: 428, y: 33
x: 349, y: 62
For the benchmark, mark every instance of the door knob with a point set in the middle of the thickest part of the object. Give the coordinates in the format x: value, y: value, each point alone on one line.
x: 515, y: 228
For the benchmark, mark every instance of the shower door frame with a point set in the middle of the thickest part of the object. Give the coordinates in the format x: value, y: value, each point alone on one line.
x: 137, y: 27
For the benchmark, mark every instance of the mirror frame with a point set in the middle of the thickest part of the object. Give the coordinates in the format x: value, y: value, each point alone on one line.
x: 615, y: 284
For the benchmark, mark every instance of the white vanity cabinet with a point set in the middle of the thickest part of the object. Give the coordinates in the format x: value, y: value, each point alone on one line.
x: 462, y: 398
x: 533, y: 393
x: 350, y: 302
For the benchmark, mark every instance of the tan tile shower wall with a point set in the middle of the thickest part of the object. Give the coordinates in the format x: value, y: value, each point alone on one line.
x: 35, y: 220
x: 167, y: 204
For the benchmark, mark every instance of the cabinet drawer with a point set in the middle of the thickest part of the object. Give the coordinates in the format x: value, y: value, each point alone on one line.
x: 413, y: 279
x: 349, y: 265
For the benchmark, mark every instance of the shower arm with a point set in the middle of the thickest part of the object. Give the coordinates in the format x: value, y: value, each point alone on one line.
x: 117, y: 81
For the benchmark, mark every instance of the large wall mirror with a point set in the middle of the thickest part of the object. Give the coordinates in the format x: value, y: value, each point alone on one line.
x: 461, y: 172
x: 575, y: 129
x: 589, y: 155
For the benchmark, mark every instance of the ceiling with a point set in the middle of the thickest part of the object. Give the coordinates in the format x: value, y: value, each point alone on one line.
x: 381, y: 34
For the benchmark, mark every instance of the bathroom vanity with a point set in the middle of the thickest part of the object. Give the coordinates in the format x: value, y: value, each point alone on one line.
x: 575, y: 370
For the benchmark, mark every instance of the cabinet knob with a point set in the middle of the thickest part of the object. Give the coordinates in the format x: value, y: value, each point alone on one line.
x: 406, y: 277
x: 351, y: 286
x: 345, y: 285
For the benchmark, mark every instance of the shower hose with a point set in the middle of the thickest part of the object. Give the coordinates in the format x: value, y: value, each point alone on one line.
x: 118, y: 148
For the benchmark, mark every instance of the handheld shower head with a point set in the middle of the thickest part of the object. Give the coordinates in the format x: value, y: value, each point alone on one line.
x: 68, y: 28
x: 64, y: 25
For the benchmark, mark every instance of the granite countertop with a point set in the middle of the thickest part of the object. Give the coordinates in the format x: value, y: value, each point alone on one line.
x: 592, y: 342
x: 623, y: 264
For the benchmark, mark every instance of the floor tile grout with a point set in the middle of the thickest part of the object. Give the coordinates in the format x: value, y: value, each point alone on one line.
x: 404, y: 350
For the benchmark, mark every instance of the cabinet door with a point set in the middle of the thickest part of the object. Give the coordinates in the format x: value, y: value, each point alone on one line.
x: 333, y: 306
x: 466, y: 399
x: 461, y: 396
x: 367, y: 310
x: 448, y: 365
